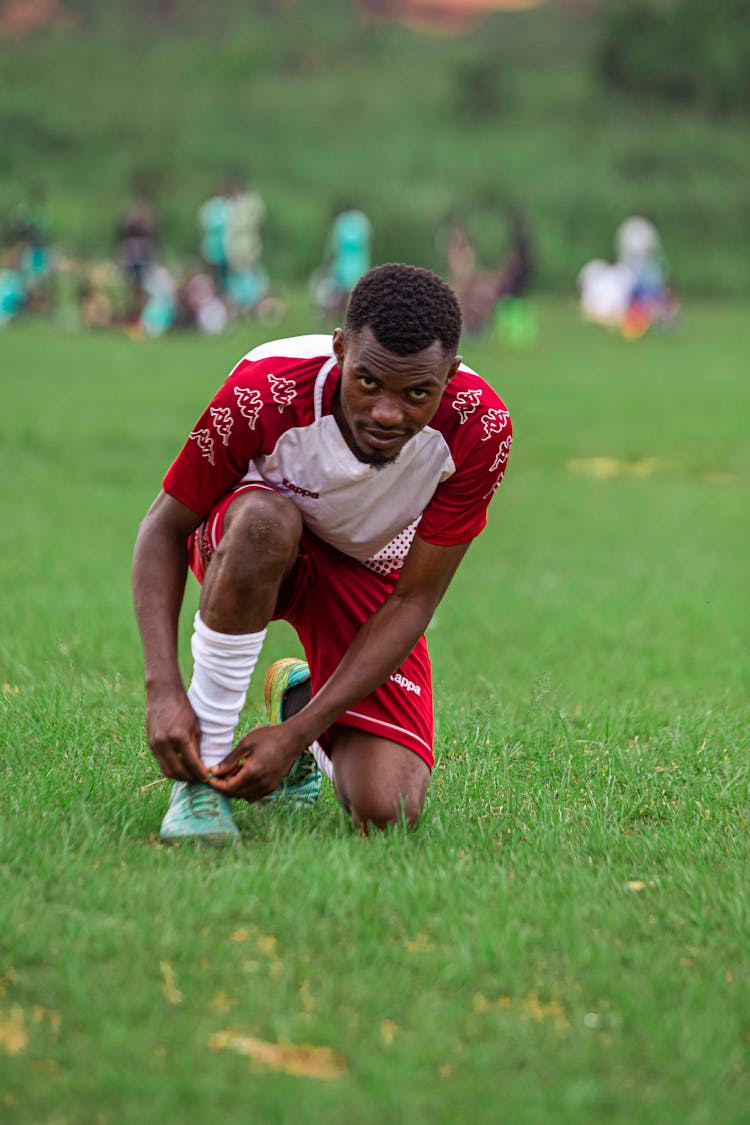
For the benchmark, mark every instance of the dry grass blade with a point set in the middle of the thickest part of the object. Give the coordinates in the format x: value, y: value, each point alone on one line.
x: 302, y: 1061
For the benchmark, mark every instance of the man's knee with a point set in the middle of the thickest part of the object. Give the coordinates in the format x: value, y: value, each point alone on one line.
x: 381, y: 810
x: 379, y: 782
x: 264, y: 527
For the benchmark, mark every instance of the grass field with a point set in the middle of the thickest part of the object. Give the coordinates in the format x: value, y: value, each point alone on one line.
x: 565, y: 936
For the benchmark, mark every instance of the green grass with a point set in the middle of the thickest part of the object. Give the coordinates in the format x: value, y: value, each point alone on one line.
x: 564, y: 937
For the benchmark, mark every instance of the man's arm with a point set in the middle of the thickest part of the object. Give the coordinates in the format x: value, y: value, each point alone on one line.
x: 159, y: 573
x: 379, y: 648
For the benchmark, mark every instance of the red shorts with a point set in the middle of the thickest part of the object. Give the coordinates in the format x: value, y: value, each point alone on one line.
x: 327, y: 600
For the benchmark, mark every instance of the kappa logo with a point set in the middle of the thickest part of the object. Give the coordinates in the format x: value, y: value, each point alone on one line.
x: 299, y: 491
x: 503, y: 452
x: 494, y: 422
x: 250, y: 404
x: 500, y: 462
x: 205, y: 443
x: 221, y: 416
x: 406, y: 684
x: 283, y: 390
x: 466, y: 402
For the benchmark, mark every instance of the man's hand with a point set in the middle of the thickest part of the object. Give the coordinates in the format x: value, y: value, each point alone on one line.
x: 258, y: 764
x: 174, y: 736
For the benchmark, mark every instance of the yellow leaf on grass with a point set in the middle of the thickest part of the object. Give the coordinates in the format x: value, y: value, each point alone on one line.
x: 302, y: 1061
x: 480, y: 1003
x: 635, y: 886
x: 420, y: 944
x: 239, y: 935
x: 602, y: 467
x: 388, y: 1032
x: 13, y: 1036
x: 535, y: 1009
x: 172, y: 994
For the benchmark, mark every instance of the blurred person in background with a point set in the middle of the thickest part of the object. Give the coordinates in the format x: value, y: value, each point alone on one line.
x: 336, y: 483
x: 605, y: 292
x: 630, y: 294
x: 200, y: 305
x: 28, y: 230
x: 102, y: 300
x: 518, y: 267
x: 454, y: 245
x: 13, y: 295
x: 136, y: 237
x: 515, y: 319
x: 213, y: 221
x: 639, y: 250
x: 346, y: 259
x: 160, y: 310
x: 247, y: 280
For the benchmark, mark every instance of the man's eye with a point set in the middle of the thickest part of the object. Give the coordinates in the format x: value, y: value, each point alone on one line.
x: 366, y: 383
x: 416, y: 394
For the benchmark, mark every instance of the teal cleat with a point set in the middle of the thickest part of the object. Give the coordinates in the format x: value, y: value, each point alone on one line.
x: 302, y: 784
x: 198, y: 813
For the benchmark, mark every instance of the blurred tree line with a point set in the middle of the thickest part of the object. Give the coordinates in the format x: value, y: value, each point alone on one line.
x: 694, y: 52
x: 547, y: 111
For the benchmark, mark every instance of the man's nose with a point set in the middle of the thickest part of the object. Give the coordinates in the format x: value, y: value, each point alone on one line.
x: 387, y: 412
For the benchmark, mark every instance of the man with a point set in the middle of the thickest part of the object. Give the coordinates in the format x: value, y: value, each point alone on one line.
x: 335, y: 484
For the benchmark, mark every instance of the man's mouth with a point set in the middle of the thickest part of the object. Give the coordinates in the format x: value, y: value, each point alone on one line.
x: 383, y: 439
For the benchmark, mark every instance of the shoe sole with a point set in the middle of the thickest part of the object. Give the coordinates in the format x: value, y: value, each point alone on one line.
x: 210, y: 840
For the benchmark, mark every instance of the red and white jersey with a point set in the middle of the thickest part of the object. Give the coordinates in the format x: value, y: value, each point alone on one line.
x: 272, y: 422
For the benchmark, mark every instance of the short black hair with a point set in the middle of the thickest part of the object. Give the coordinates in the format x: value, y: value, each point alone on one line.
x: 406, y: 307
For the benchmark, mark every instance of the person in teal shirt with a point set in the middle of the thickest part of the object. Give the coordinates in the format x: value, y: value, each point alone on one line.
x: 347, y: 258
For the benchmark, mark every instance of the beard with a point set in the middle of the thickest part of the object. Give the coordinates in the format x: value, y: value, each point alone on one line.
x: 375, y: 460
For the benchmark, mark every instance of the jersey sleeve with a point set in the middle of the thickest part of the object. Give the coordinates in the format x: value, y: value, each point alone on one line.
x: 242, y: 421
x: 480, y: 444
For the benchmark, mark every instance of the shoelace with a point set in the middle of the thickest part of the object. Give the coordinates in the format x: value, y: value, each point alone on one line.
x: 204, y: 802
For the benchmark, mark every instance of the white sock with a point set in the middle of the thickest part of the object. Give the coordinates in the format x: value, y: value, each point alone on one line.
x: 222, y: 666
x: 320, y: 756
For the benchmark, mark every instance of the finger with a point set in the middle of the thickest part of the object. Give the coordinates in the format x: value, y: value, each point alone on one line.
x: 235, y: 786
x: 171, y: 764
x: 192, y: 762
x: 230, y: 765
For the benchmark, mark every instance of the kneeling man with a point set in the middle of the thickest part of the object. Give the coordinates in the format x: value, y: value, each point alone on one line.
x: 337, y: 484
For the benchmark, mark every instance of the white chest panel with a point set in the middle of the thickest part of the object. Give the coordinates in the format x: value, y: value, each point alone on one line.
x: 357, y: 508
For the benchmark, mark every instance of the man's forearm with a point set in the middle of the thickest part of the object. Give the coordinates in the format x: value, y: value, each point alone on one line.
x: 159, y: 573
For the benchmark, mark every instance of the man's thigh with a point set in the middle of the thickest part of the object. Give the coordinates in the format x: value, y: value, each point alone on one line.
x: 380, y: 782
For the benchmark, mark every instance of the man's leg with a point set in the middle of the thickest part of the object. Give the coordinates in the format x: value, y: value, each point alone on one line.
x: 379, y: 782
x: 257, y: 551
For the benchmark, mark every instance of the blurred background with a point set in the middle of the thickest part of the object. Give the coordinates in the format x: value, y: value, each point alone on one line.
x: 167, y: 163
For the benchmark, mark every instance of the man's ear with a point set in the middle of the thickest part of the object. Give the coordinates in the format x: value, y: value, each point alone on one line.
x: 338, y: 346
x: 453, y: 368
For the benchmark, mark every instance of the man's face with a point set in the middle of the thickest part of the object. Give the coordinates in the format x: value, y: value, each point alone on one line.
x: 385, y: 399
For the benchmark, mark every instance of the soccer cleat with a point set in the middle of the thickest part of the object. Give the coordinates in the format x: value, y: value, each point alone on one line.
x: 198, y: 813
x: 302, y: 784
